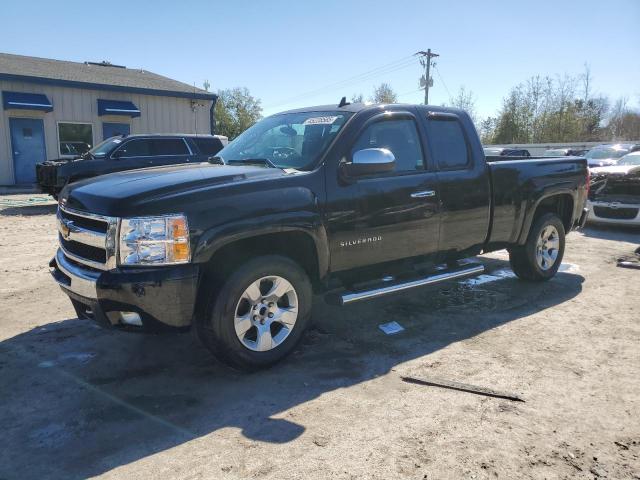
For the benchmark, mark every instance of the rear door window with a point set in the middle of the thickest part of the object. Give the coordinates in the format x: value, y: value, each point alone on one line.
x: 135, y: 148
x: 448, y: 144
x: 169, y: 146
x: 208, y: 146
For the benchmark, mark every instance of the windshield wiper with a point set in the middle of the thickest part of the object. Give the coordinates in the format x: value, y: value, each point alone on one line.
x: 253, y: 161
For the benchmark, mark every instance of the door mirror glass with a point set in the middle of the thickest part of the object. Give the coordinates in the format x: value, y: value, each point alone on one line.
x: 370, y: 161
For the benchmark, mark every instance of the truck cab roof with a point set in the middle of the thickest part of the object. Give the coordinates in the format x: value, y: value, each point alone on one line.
x: 363, y: 107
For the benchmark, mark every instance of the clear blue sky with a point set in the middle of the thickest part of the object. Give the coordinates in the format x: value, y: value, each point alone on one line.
x: 282, y: 49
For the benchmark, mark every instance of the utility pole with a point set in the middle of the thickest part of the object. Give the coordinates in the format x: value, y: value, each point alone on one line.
x: 425, y: 61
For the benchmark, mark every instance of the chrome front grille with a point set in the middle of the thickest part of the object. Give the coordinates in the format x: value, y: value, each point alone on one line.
x: 88, y: 238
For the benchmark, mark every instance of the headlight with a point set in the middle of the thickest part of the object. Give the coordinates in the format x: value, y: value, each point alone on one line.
x: 154, y: 240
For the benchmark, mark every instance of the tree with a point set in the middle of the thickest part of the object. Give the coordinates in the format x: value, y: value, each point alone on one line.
x: 466, y: 101
x: 236, y: 110
x: 544, y: 109
x: 624, y: 123
x: 487, y: 130
x: 384, y: 94
x: 357, y: 98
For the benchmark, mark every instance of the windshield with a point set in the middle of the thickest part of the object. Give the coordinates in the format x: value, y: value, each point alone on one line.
x: 630, y: 159
x: 290, y: 140
x: 600, y: 153
x: 103, y: 148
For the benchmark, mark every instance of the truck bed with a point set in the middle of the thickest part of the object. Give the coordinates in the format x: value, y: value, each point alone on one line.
x: 517, y: 184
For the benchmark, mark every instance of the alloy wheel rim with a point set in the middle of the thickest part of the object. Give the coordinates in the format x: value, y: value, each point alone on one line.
x: 266, y: 313
x: 547, y: 247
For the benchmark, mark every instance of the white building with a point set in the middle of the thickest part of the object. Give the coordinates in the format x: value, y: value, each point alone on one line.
x: 53, y: 109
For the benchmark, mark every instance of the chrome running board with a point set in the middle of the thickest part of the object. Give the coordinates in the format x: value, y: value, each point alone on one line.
x: 346, y: 298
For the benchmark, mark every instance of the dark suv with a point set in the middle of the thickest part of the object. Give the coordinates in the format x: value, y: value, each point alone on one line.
x: 506, y: 152
x: 127, y: 153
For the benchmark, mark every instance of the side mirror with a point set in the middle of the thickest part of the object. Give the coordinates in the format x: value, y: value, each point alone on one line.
x: 370, y: 161
x: 118, y: 153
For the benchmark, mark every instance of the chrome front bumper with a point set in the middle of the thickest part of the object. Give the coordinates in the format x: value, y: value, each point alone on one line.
x: 161, y: 297
x: 70, y: 277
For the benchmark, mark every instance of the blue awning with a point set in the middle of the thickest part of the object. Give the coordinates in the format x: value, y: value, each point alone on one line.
x: 26, y: 101
x: 117, y: 107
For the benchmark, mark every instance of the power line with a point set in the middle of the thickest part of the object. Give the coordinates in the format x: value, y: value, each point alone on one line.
x: 354, y: 80
x: 383, y: 70
x: 442, y: 80
x: 409, y: 92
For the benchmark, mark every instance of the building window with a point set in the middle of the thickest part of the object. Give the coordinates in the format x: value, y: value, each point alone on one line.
x: 74, y: 138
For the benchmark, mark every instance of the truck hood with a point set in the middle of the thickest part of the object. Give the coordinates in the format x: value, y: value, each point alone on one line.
x: 139, y: 192
x: 63, y: 161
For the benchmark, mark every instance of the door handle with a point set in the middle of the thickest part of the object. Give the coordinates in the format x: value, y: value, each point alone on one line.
x: 423, y: 194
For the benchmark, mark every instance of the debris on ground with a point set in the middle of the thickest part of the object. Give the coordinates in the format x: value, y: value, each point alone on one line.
x: 321, y: 441
x: 37, y: 200
x: 630, y: 261
x: 391, y: 328
x: 463, y: 387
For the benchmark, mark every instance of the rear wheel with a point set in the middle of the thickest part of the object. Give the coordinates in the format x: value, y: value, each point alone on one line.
x: 540, y: 257
x: 256, y: 316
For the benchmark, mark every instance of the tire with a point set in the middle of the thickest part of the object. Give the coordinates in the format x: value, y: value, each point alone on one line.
x: 537, y: 260
x: 230, y: 304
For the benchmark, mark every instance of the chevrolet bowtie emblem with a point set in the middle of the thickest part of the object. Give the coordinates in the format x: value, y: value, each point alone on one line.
x: 65, y: 230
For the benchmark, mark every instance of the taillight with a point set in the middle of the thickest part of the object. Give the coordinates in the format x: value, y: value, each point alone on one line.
x: 588, y: 180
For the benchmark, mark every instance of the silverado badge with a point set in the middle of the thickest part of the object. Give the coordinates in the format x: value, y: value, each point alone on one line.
x: 360, y: 241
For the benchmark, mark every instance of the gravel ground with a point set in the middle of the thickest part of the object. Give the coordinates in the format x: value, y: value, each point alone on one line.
x: 77, y: 401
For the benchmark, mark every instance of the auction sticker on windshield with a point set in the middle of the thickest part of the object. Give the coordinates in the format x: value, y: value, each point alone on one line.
x: 320, y: 120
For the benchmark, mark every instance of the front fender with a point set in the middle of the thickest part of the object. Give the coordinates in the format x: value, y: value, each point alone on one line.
x: 307, y: 222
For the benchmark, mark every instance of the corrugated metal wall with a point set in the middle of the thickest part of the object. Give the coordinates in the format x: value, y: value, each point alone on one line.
x: 158, y: 115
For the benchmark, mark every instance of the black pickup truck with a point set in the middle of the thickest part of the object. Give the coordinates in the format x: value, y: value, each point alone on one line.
x: 351, y: 201
x: 128, y: 152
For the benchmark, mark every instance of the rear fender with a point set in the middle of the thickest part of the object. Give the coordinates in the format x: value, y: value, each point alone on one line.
x: 532, y: 207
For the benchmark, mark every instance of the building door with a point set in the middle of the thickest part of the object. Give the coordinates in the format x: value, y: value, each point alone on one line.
x: 113, y: 129
x: 27, y: 144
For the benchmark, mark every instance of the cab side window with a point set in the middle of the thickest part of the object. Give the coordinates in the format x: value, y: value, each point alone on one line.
x: 448, y: 144
x: 398, y: 136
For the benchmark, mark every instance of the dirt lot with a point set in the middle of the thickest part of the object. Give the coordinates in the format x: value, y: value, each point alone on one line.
x: 77, y: 401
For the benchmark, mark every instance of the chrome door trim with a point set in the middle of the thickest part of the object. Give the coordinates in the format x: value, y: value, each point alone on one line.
x: 424, y: 194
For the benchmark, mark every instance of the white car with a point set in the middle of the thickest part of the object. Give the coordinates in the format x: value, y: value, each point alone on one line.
x: 606, y: 155
x: 616, y: 192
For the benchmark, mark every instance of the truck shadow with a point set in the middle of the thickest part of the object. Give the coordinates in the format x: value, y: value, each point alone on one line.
x: 79, y: 401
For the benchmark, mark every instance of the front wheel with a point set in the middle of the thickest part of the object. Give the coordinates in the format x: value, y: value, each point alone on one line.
x: 540, y: 257
x: 258, y: 314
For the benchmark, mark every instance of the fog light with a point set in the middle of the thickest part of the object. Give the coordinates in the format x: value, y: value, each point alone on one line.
x: 131, y: 318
